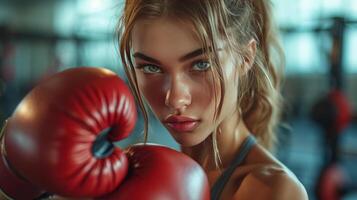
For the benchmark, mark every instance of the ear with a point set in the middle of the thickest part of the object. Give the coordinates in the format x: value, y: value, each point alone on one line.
x: 250, y: 56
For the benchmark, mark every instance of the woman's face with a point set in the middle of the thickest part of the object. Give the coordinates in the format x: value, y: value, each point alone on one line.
x: 175, y: 78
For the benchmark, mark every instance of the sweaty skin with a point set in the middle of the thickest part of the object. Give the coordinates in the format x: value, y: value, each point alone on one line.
x: 175, y: 80
x: 175, y: 83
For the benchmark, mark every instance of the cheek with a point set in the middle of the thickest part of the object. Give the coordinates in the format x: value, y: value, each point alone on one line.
x: 231, y: 93
x: 204, y: 91
x: 151, y: 89
x: 208, y: 95
x: 231, y: 76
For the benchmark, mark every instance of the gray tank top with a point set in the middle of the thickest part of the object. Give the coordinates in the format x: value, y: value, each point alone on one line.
x: 223, y: 179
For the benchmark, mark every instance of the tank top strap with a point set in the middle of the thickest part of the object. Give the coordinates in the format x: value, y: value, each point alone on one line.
x: 218, y: 186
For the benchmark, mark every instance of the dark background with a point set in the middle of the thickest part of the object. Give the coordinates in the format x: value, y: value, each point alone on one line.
x: 41, y: 37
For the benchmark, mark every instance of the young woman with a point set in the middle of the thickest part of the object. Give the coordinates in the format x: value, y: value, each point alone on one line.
x: 206, y: 70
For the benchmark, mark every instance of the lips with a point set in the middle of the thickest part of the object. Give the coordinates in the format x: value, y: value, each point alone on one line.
x: 180, y: 123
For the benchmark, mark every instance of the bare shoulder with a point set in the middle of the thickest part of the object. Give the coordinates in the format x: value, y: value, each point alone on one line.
x: 271, y: 182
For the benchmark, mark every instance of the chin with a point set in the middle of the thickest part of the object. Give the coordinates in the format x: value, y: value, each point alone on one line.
x: 187, y: 139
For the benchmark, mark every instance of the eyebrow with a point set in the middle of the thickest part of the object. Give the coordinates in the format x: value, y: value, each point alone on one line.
x: 187, y: 56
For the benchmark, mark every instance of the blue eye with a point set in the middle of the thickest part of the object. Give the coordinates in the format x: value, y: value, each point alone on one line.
x: 201, y: 66
x: 150, y: 69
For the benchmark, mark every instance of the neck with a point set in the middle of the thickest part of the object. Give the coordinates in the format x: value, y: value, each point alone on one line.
x: 229, y: 139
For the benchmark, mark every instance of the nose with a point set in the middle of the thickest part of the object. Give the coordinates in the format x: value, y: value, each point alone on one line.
x: 178, y: 95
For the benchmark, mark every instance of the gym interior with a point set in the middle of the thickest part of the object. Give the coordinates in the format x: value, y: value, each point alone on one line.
x: 41, y: 37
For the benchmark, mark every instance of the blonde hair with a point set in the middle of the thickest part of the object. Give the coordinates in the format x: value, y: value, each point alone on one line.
x: 233, y: 21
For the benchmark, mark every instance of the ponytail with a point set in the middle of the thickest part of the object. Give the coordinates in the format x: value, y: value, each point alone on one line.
x: 261, y: 103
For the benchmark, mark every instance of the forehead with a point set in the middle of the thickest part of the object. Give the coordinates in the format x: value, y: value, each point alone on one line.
x: 162, y: 35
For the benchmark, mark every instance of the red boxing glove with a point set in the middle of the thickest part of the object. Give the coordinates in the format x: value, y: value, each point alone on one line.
x: 60, y: 139
x: 60, y: 136
x: 160, y: 173
x: 11, y: 183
